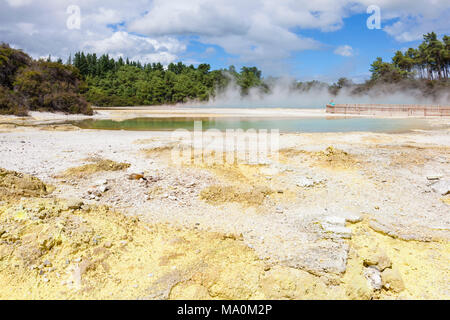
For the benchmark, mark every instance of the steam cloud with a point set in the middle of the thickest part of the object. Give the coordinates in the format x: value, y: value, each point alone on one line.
x: 283, y: 94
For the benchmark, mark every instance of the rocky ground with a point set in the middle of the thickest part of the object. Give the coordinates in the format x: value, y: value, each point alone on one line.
x: 107, y: 214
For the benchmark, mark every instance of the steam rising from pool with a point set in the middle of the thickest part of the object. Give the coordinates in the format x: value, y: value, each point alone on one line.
x: 282, y: 94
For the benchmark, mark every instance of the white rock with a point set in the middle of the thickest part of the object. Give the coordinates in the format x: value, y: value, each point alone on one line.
x: 103, y: 188
x: 305, y: 182
x: 434, y: 176
x: 339, y: 231
x: 373, y: 277
x: 442, y: 187
x: 101, y: 182
x: 353, y: 218
x: 335, y: 220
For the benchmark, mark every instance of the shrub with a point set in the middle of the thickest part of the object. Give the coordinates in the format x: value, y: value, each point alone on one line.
x: 10, y: 103
x: 39, y: 85
x: 11, y: 60
x: 51, y: 86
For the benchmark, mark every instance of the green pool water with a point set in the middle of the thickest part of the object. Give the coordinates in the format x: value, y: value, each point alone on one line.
x: 283, y: 124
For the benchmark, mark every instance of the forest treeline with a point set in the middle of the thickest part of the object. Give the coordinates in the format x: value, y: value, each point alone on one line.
x: 85, y: 79
x: 122, y: 82
x: 431, y: 61
x: 425, y: 69
x: 119, y: 82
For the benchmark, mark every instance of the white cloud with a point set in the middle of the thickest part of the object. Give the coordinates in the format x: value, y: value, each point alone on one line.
x: 18, y: 3
x: 345, y: 51
x: 254, y: 30
x: 210, y: 51
x: 39, y: 27
x: 408, y: 20
x: 27, y: 28
x: 412, y: 29
x: 123, y: 44
x: 104, y: 16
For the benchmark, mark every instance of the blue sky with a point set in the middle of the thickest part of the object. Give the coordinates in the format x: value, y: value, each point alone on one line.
x: 367, y: 46
x: 322, y: 39
x: 320, y: 64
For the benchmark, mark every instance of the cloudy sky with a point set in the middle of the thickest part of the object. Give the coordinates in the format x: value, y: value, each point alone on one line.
x: 320, y: 39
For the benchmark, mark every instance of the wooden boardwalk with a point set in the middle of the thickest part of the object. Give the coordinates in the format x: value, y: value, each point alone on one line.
x: 412, y: 110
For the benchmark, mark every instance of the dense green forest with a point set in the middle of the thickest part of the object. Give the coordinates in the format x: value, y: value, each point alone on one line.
x: 122, y: 82
x: 27, y: 84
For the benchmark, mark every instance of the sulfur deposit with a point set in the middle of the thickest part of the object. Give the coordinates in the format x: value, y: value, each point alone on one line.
x: 106, y: 215
x: 97, y: 165
x: 15, y: 184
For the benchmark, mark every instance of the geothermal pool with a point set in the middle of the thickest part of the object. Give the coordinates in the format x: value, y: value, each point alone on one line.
x: 245, y: 123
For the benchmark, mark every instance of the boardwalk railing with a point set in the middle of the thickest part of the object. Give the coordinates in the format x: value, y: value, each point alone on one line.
x: 390, y: 109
